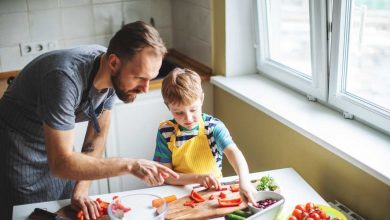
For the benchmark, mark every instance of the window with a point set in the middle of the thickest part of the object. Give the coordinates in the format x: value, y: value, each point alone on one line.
x: 296, y: 47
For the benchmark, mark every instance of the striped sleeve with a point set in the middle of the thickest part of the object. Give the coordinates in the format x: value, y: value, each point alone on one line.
x: 222, y: 136
x: 162, y: 153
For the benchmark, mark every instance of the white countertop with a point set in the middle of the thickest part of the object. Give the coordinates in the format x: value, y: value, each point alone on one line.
x: 293, y: 187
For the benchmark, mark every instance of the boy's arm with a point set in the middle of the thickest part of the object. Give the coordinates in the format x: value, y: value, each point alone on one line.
x: 240, y: 166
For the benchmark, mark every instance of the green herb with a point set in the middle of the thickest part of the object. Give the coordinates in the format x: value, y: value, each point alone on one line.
x: 267, y: 183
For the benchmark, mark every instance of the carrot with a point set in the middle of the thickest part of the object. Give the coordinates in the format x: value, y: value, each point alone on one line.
x: 158, y: 202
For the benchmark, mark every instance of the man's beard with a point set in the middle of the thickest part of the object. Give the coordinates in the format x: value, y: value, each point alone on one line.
x: 122, y: 94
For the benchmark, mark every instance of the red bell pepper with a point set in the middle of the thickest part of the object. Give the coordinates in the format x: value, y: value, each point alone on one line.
x: 222, y: 195
x: 229, y: 202
x: 196, y: 196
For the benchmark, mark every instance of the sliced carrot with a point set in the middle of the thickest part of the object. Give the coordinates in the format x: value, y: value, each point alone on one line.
x: 158, y: 202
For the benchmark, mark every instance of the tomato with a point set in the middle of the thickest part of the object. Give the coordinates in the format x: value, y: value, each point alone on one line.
x: 309, y: 206
x: 309, y: 218
x: 304, y: 215
x: 300, y: 207
x: 297, y: 213
x: 315, y: 216
x: 292, y: 218
x: 323, y: 214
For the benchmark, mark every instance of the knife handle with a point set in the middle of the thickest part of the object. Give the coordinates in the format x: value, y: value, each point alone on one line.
x: 41, y: 214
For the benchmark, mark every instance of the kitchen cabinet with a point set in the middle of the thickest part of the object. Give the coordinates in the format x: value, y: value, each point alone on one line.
x: 133, y: 134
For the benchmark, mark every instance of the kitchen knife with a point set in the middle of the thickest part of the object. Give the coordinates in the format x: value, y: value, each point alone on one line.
x: 41, y: 214
x: 226, y: 183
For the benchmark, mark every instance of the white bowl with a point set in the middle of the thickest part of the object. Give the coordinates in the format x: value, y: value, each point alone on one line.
x: 271, y: 211
x: 141, y: 208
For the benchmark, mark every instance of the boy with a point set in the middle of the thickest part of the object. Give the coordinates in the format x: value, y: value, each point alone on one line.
x: 193, y: 142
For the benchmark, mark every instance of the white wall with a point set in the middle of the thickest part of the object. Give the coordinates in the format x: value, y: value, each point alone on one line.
x: 72, y: 22
x: 191, y: 21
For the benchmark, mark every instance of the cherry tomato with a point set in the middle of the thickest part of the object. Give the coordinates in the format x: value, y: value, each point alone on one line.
x: 300, y: 207
x: 309, y: 206
x: 292, y: 218
x: 297, y: 213
x: 323, y: 214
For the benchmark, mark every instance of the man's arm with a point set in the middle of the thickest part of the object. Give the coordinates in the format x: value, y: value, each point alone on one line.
x: 65, y: 163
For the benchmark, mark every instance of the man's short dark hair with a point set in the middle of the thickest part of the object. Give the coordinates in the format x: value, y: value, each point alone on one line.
x: 133, y: 37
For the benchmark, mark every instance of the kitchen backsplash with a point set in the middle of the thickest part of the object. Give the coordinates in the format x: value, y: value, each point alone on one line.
x: 54, y: 24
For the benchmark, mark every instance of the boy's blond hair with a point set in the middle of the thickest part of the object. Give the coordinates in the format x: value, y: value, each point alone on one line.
x: 181, y: 86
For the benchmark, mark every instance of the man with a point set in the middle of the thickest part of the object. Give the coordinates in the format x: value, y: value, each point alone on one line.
x: 39, y: 110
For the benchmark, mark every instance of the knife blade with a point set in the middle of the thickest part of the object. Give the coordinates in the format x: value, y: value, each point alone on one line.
x: 226, y: 183
x: 42, y: 214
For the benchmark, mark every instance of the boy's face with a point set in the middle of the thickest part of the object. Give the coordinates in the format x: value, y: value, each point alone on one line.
x: 187, y: 116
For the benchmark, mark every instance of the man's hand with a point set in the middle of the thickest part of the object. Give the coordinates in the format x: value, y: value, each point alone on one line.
x: 208, y: 181
x: 81, y: 201
x: 152, y: 173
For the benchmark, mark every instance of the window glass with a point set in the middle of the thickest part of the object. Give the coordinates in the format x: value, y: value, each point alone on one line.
x: 289, y: 34
x: 368, y: 72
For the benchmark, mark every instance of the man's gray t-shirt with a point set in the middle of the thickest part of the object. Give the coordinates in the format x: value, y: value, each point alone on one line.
x: 48, y: 90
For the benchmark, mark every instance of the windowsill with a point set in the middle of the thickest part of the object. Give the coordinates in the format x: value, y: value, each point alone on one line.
x: 358, y: 144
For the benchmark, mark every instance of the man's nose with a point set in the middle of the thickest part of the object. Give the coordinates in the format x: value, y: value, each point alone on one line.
x: 145, y: 87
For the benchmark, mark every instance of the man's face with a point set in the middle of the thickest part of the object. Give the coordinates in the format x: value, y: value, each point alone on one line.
x: 187, y: 116
x: 133, y: 76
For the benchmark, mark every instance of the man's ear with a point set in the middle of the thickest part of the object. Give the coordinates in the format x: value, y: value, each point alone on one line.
x: 114, y: 63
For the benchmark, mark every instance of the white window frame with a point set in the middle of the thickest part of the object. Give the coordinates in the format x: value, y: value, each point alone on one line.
x: 374, y: 115
x: 316, y: 86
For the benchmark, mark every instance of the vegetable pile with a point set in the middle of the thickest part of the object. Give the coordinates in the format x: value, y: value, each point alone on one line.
x: 267, y: 183
x: 309, y: 211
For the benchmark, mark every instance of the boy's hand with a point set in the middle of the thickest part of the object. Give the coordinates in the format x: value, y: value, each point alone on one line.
x: 208, y: 181
x: 247, y: 190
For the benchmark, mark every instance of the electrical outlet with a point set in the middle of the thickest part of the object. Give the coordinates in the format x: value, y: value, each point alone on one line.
x: 33, y: 48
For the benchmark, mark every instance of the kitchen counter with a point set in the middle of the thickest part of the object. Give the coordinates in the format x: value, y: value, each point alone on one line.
x: 293, y: 187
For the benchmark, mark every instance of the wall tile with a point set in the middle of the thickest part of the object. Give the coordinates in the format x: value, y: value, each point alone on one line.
x: 13, y: 29
x: 201, y: 23
x: 104, y: 1
x: 166, y: 35
x: 72, y: 3
x: 11, y: 59
x: 42, y: 4
x: 201, y: 3
x: 77, y: 22
x: 107, y: 17
x: 103, y: 40
x: 161, y: 13
x: 180, y: 14
x: 45, y: 25
x: 69, y: 43
x: 11, y: 6
x: 137, y: 10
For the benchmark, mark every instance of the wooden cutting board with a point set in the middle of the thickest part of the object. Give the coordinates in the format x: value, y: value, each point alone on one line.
x: 203, y: 210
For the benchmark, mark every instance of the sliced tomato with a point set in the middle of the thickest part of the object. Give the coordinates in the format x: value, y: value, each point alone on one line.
x: 234, y: 188
x: 196, y: 196
x: 229, y: 202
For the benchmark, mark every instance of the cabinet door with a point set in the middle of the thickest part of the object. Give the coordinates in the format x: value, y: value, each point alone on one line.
x: 134, y: 128
x: 97, y: 186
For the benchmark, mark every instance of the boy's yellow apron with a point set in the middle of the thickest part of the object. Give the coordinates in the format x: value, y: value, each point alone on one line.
x: 195, y: 155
